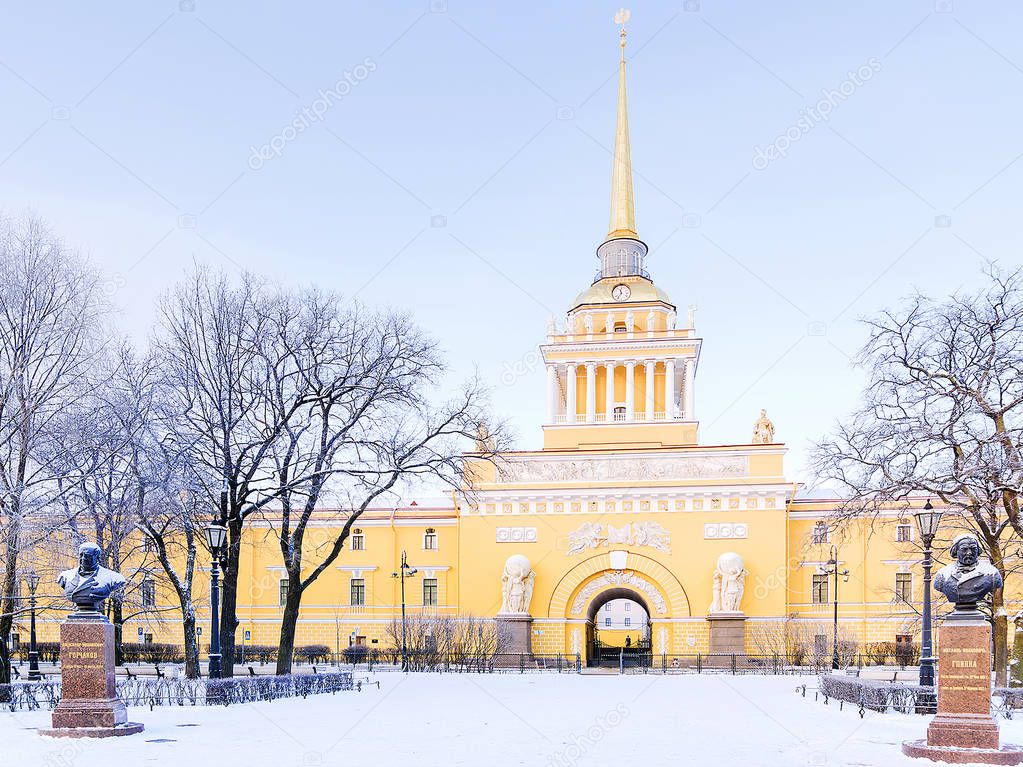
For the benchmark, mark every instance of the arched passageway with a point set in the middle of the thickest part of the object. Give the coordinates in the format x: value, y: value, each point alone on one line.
x: 618, y: 629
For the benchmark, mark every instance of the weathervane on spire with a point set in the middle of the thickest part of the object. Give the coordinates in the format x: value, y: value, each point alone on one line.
x: 623, y: 15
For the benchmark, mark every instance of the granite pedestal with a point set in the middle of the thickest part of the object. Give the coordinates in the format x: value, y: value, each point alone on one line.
x: 963, y: 731
x: 89, y: 706
x: 517, y: 633
x: 727, y: 633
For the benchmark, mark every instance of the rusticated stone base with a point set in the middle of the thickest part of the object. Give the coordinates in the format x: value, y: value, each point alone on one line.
x: 128, y: 728
x: 1007, y: 754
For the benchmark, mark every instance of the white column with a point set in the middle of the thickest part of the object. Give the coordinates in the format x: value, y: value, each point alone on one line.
x: 650, y: 367
x: 669, y: 389
x: 570, y: 394
x: 552, y: 393
x: 630, y: 391
x: 609, y: 396
x: 690, y: 404
x: 591, y: 392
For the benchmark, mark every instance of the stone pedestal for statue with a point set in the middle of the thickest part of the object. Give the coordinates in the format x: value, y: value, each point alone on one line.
x: 727, y: 633
x: 517, y: 638
x: 89, y: 706
x: 963, y: 730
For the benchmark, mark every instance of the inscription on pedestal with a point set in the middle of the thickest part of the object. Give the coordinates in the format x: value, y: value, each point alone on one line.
x: 964, y: 671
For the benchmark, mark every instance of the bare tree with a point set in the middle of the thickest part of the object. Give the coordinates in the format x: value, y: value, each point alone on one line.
x: 941, y: 415
x: 352, y: 391
x: 50, y: 311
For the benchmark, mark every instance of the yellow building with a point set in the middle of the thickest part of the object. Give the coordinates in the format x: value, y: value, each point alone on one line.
x: 621, y: 502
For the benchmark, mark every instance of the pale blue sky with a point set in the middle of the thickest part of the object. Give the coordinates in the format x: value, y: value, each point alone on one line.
x: 130, y: 127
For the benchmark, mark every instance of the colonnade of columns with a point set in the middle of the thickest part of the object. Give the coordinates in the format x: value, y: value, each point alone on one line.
x: 567, y: 410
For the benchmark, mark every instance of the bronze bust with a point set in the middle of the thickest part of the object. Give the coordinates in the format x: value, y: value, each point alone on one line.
x: 89, y: 584
x: 967, y: 580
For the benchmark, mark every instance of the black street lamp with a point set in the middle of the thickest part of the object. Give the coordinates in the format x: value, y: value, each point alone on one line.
x: 832, y: 569
x: 216, y: 535
x: 32, y: 579
x: 927, y: 520
x: 404, y: 572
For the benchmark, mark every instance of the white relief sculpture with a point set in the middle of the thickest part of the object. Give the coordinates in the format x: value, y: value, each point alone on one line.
x: 630, y: 321
x: 725, y: 530
x: 552, y: 326
x: 619, y: 535
x: 671, y: 320
x: 516, y: 535
x: 691, y: 319
x: 575, y: 641
x: 609, y: 323
x: 763, y: 430
x: 729, y: 584
x: 588, y: 324
x: 627, y: 578
x: 621, y: 469
x: 588, y: 536
x: 651, y: 534
x: 516, y: 585
x: 662, y: 636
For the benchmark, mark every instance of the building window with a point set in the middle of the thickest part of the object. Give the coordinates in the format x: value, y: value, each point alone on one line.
x: 820, y: 589
x: 15, y: 641
x: 358, y: 540
x: 821, y: 533
x: 903, y: 533
x: 283, y: 591
x: 607, y: 621
x: 619, y: 413
x: 628, y: 621
x: 147, y: 638
x: 903, y: 587
x: 430, y: 539
x: 620, y: 327
x: 148, y: 593
x: 429, y: 592
x: 358, y: 592
x: 148, y: 546
x: 627, y: 607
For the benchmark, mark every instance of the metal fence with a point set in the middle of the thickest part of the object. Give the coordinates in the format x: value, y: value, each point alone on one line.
x: 626, y: 661
x: 152, y: 692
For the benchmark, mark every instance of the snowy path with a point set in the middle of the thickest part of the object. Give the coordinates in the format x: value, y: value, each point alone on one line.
x: 451, y: 720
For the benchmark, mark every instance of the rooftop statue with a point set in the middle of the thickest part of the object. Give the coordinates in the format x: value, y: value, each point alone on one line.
x: 763, y: 430
x: 89, y: 584
x: 967, y: 580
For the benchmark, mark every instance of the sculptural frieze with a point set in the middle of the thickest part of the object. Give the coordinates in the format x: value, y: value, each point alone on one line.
x: 622, y: 469
x: 592, y: 535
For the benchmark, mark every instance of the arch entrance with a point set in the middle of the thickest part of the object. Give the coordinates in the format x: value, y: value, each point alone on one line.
x: 593, y: 583
x: 618, y: 629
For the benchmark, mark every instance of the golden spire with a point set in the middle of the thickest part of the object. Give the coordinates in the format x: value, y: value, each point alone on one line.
x: 623, y: 213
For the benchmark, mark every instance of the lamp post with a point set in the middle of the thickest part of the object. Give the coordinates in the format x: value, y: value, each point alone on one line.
x: 404, y: 572
x: 927, y: 520
x: 216, y: 534
x: 32, y: 579
x: 832, y: 569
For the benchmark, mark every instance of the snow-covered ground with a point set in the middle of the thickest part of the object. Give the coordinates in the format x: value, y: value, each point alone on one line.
x: 428, y: 720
